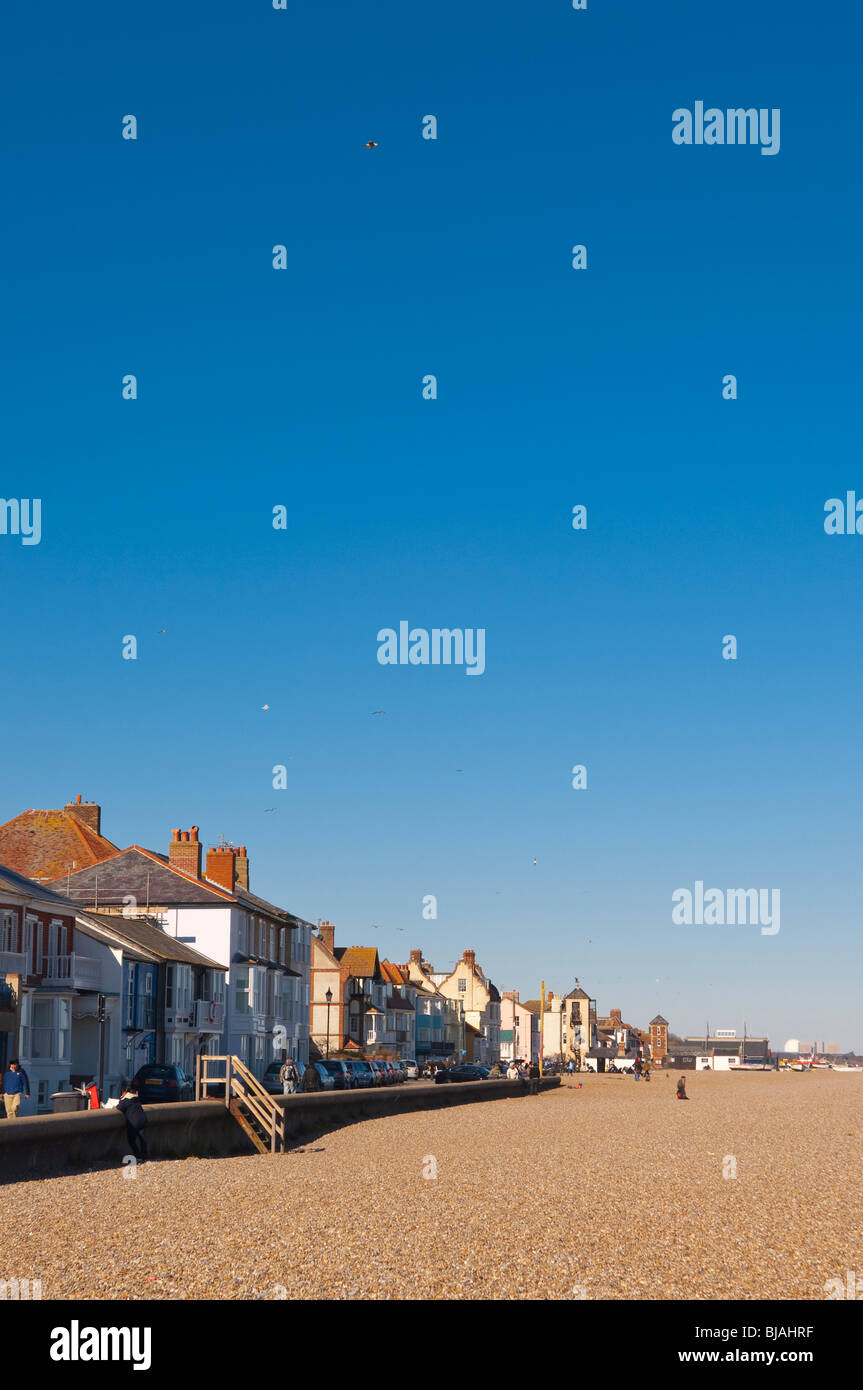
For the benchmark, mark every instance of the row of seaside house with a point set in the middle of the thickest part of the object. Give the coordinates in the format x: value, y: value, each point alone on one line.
x: 114, y: 958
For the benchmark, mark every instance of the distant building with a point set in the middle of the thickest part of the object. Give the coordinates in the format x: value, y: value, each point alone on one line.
x: 519, y: 1029
x: 44, y: 845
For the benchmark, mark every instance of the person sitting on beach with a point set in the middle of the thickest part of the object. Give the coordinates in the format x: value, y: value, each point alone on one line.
x: 681, y: 1089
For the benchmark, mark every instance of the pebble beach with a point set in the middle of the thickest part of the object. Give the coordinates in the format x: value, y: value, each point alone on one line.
x: 751, y: 1189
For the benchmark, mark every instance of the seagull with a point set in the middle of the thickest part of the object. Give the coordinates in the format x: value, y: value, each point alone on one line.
x: 534, y: 861
x: 265, y: 707
x: 371, y: 144
x: 378, y: 711
x: 163, y: 629
x: 268, y: 808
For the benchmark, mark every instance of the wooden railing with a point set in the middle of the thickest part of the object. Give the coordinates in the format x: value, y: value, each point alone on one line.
x: 247, y: 1100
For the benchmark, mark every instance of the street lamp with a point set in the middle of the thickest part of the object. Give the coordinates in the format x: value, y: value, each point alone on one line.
x: 329, y: 998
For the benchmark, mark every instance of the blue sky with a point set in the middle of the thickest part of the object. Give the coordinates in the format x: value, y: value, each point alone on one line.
x: 556, y: 387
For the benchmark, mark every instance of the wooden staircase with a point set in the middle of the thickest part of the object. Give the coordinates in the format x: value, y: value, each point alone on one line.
x: 251, y: 1105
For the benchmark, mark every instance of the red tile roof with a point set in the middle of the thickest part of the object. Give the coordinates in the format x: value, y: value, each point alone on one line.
x: 45, y: 844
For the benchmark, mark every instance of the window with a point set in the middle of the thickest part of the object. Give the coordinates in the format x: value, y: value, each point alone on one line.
x: 462, y: 986
x: 64, y: 1030
x: 42, y: 1094
x: 241, y: 990
x: 8, y: 934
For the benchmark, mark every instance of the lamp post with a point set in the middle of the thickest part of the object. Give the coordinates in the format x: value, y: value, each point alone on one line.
x: 329, y: 998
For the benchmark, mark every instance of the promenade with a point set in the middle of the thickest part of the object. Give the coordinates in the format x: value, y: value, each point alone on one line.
x: 613, y: 1191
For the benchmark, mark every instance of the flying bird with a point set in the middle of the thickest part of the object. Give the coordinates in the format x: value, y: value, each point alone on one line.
x: 534, y: 861
x: 163, y: 629
x: 265, y: 707
x: 371, y: 144
x: 268, y: 808
x: 378, y: 711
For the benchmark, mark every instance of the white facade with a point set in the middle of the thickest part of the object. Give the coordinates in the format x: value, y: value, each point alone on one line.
x: 266, y: 1012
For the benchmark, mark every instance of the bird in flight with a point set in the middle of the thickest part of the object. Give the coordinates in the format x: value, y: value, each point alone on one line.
x: 378, y: 711
x: 268, y: 808
x: 534, y: 861
x: 163, y: 629
x: 371, y: 144
x: 265, y: 707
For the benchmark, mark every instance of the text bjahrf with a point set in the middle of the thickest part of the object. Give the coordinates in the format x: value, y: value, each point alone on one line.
x: 442, y: 646
x: 731, y: 127
x: 729, y: 907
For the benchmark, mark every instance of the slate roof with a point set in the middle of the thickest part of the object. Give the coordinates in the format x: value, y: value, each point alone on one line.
x: 152, y: 878
x: 493, y: 995
x: 147, y: 936
x: 23, y: 886
x: 659, y: 1019
x: 45, y: 843
x: 577, y: 993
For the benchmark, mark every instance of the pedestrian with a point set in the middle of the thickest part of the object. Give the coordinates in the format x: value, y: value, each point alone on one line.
x: 645, y: 1071
x: 132, y: 1110
x: 16, y: 1084
x: 681, y: 1089
x: 571, y: 1066
x: 533, y: 1076
x: 512, y: 1072
x: 289, y: 1077
x: 637, y: 1068
x: 311, y: 1079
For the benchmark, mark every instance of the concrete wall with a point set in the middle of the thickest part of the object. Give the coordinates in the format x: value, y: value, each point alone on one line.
x: 50, y: 1144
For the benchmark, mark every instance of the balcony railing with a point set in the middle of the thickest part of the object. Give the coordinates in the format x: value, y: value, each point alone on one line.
x: 209, y: 1015
x: 12, y: 962
x: 78, y: 972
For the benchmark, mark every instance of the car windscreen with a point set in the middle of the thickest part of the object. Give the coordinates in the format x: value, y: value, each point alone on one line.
x: 164, y: 1072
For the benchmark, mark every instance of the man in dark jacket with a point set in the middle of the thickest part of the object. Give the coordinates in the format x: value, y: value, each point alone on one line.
x: 132, y: 1111
x: 16, y: 1084
x: 311, y: 1079
x: 534, y: 1078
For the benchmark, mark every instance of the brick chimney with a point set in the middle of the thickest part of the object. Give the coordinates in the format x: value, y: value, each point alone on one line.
x: 241, y: 867
x: 469, y: 958
x: 86, y: 811
x: 327, y: 934
x: 221, y: 866
x: 417, y: 957
x: 615, y: 1015
x: 510, y: 994
x: 184, y: 851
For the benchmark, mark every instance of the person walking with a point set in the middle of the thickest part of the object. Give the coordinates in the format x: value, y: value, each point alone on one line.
x: 16, y: 1084
x: 132, y: 1110
x: 681, y: 1089
x: 638, y: 1068
x: 533, y: 1076
x: 289, y: 1077
x: 645, y: 1072
x: 311, y: 1079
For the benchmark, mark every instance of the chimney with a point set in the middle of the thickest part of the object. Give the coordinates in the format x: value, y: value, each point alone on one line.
x: 417, y: 957
x: 327, y: 934
x: 184, y: 851
x: 241, y: 867
x: 221, y: 866
x: 511, y: 994
x: 615, y: 1014
x: 469, y: 958
x: 548, y: 998
x: 86, y: 811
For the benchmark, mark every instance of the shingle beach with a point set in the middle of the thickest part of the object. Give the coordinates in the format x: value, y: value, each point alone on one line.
x: 613, y: 1191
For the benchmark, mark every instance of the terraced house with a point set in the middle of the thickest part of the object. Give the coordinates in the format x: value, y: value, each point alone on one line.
x: 480, y: 1003
x: 262, y: 1012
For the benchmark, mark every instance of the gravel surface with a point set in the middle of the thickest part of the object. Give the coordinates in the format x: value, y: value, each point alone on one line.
x: 612, y: 1191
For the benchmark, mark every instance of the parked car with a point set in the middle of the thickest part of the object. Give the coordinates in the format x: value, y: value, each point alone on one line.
x: 412, y: 1069
x: 469, y: 1071
x: 402, y: 1069
x: 363, y: 1072
x: 161, y: 1081
x: 341, y: 1072
x: 380, y: 1071
x: 394, y: 1073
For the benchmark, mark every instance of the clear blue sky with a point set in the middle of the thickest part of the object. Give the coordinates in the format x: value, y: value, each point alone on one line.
x: 556, y: 387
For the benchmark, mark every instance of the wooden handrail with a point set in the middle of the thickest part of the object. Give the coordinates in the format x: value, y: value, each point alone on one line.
x: 243, y: 1086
